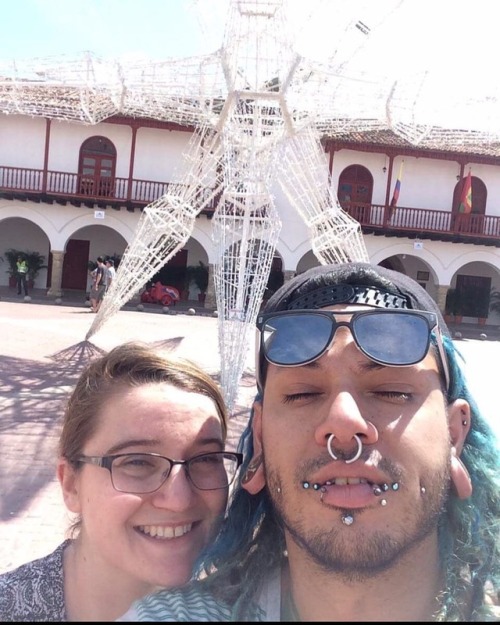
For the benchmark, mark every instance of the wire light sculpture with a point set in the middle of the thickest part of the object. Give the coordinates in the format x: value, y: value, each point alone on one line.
x: 259, y: 110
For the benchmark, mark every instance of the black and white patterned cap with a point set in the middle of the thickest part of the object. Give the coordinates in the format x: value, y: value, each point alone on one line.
x: 353, y: 283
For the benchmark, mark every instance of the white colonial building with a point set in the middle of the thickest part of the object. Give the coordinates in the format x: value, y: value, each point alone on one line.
x: 73, y: 192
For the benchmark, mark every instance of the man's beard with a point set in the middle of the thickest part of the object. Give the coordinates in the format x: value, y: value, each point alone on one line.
x: 358, y: 555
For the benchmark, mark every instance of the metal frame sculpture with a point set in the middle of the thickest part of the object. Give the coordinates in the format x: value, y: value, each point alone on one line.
x: 259, y: 111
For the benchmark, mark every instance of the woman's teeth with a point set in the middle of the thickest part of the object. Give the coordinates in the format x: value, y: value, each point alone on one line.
x: 160, y: 531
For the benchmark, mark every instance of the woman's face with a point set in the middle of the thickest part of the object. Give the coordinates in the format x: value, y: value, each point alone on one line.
x: 151, y: 539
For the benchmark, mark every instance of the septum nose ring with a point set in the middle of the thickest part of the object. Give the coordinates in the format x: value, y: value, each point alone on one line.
x: 356, y: 455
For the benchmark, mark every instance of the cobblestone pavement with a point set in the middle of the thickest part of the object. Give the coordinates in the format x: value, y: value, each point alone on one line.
x: 42, y: 351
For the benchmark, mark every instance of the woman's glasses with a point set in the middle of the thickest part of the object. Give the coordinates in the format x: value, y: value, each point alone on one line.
x: 146, y: 473
x: 395, y: 338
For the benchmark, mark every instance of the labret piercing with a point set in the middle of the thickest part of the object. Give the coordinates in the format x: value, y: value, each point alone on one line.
x: 348, y: 519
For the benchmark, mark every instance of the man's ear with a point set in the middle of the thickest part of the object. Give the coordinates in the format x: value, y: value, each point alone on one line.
x: 459, y: 425
x: 68, y: 479
x: 254, y: 479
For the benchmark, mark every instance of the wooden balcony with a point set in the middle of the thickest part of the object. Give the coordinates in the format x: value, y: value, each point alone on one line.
x: 62, y: 187
x: 426, y: 223
x: 418, y: 223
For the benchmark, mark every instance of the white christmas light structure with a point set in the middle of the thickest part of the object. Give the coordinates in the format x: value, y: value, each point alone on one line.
x: 259, y: 110
x: 237, y: 99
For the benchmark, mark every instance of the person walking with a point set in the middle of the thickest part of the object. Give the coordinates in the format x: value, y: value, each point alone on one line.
x: 370, y: 488
x: 22, y: 275
x: 109, y: 274
x: 97, y: 290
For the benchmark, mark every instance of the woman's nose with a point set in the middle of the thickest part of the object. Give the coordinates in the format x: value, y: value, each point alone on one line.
x: 176, y: 492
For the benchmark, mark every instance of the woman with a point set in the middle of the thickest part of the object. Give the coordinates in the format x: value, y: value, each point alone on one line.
x: 141, y: 466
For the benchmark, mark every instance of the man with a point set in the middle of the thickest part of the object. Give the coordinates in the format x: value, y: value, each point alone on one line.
x: 109, y: 274
x: 98, y: 287
x: 370, y: 487
x: 22, y: 275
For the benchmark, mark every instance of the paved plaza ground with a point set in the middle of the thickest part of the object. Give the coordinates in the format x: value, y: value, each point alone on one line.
x: 42, y: 351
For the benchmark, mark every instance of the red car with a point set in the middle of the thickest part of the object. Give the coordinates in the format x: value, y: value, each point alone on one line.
x: 157, y: 293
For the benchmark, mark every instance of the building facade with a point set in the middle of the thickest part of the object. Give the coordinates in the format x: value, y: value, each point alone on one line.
x: 73, y: 192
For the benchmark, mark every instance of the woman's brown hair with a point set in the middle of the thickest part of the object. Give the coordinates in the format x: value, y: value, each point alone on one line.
x: 130, y: 364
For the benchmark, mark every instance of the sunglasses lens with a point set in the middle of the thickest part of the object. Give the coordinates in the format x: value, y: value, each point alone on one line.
x: 393, y: 339
x: 295, y: 339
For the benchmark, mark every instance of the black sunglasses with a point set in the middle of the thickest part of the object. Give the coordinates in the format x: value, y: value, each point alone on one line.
x: 395, y: 338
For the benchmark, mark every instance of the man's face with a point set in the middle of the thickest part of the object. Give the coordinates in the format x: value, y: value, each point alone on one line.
x: 399, y: 415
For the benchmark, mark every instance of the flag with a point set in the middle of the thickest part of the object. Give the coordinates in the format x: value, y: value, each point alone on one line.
x: 465, y: 205
x: 397, y: 187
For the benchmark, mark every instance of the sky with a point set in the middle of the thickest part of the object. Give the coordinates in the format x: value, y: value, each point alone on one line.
x: 109, y: 28
x: 151, y: 28
x: 452, y: 42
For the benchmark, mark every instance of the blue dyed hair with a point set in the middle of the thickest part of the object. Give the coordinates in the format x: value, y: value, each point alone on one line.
x: 252, y: 542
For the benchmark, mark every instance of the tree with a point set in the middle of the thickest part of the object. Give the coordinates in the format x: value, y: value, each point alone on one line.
x: 198, y: 274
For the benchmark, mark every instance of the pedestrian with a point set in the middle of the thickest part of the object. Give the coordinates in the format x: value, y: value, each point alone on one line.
x: 98, y: 288
x: 109, y: 274
x: 22, y: 275
x: 142, y: 468
x: 370, y: 486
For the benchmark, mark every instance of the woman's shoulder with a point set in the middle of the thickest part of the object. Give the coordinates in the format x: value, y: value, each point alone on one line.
x: 35, y: 590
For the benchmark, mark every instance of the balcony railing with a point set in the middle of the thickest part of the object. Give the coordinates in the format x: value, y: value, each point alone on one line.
x: 377, y: 218
x: 424, y: 221
x: 103, y: 190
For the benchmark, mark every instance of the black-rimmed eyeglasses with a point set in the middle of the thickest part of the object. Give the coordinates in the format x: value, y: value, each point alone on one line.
x: 146, y: 473
x: 395, y: 338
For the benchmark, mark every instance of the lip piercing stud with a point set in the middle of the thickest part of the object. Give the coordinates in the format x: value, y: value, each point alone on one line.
x: 464, y: 422
x: 347, y: 519
x: 422, y: 490
x: 377, y: 491
x: 395, y: 486
x: 305, y: 485
x: 356, y: 455
x: 383, y: 502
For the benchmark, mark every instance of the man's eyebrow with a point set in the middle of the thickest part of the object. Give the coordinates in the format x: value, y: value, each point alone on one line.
x: 370, y: 365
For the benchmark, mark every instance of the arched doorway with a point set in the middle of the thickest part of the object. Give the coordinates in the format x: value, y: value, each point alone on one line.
x: 474, y: 222
x: 355, y: 192
x: 97, y: 166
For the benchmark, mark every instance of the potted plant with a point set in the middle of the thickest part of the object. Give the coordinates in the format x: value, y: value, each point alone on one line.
x: 36, y: 262
x: 12, y: 255
x: 198, y: 275
x: 450, y: 307
x: 477, y: 303
x: 495, y: 301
